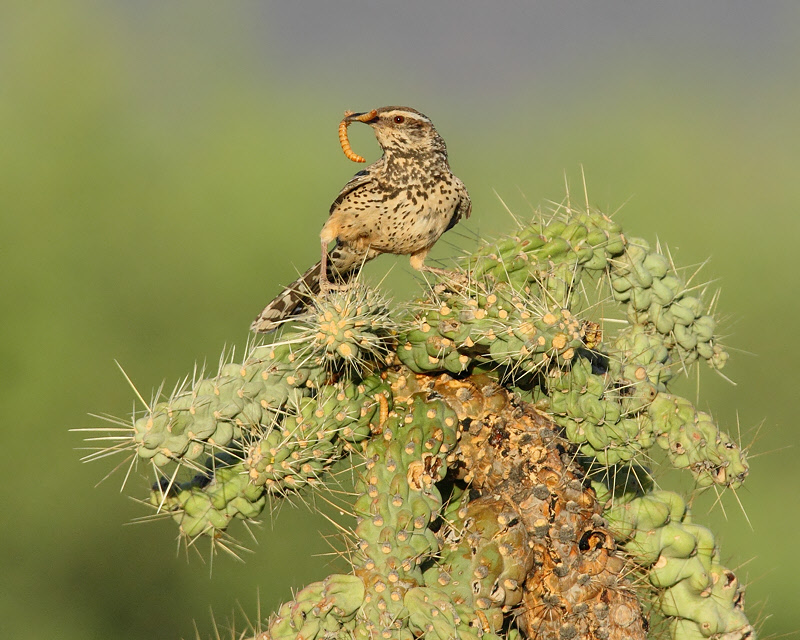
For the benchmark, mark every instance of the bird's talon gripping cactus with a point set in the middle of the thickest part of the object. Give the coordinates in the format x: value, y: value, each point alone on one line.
x: 475, y: 516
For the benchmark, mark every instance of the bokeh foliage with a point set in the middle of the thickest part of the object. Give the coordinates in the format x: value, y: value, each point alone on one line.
x: 159, y: 178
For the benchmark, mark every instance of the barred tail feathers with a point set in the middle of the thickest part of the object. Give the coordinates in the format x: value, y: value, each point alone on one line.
x: 292, y: 301
x: 343, y: 265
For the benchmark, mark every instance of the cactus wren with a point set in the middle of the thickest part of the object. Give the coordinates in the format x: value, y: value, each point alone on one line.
x: 400, y: 204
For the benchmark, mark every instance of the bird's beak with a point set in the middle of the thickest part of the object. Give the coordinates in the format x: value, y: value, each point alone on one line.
x: 368, y: 117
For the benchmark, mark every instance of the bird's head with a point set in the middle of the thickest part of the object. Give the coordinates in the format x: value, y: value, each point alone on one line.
x: 402, y: 130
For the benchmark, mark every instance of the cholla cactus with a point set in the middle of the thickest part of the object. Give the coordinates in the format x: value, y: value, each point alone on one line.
x: 487, y: 423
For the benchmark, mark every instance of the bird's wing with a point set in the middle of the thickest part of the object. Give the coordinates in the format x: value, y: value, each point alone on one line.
x: 463, y: 208
x: 358, y: 180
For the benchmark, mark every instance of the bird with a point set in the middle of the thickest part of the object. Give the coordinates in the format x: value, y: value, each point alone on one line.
x: 400, y: 204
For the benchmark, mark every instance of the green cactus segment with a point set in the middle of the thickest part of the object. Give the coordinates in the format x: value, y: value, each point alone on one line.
x: 682, y: 561
x: 296, y: 451
x: 229, y: 406
x: 550, y: 258
x: 656, y: 296
x: 353, y: 328
x: 290, y: 455
x: 434, y: 616
x: 640, y: 354
x: 693, y: 441
x: 551, y: 255
x: 210, y: 501
x: 398, y: 501
x: 399, y: 498
x: 545, y: 262
x: 486, y: 557
x: 599, y: 414
x: 320, y: 610
x: 452, y: 331
x: 620, y: 483
x: 614, y: 407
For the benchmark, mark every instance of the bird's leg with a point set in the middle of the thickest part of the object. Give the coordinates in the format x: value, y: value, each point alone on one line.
x: 324, y: 284
x: 418, y: 262
x: 326, y: 236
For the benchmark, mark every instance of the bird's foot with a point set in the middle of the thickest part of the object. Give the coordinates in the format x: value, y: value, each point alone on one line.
x: 326, y: 286
x: 448, y: 277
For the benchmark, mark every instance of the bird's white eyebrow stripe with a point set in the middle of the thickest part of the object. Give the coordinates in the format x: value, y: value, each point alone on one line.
x: 407, y: 114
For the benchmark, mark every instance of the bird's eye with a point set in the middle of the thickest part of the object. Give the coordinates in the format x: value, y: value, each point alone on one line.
x: 399, y: 119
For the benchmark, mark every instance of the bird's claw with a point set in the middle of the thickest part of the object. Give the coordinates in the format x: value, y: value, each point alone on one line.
x: 326, y: 287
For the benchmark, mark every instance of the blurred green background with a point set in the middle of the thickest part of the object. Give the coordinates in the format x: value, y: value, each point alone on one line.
x: 164, y: 166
